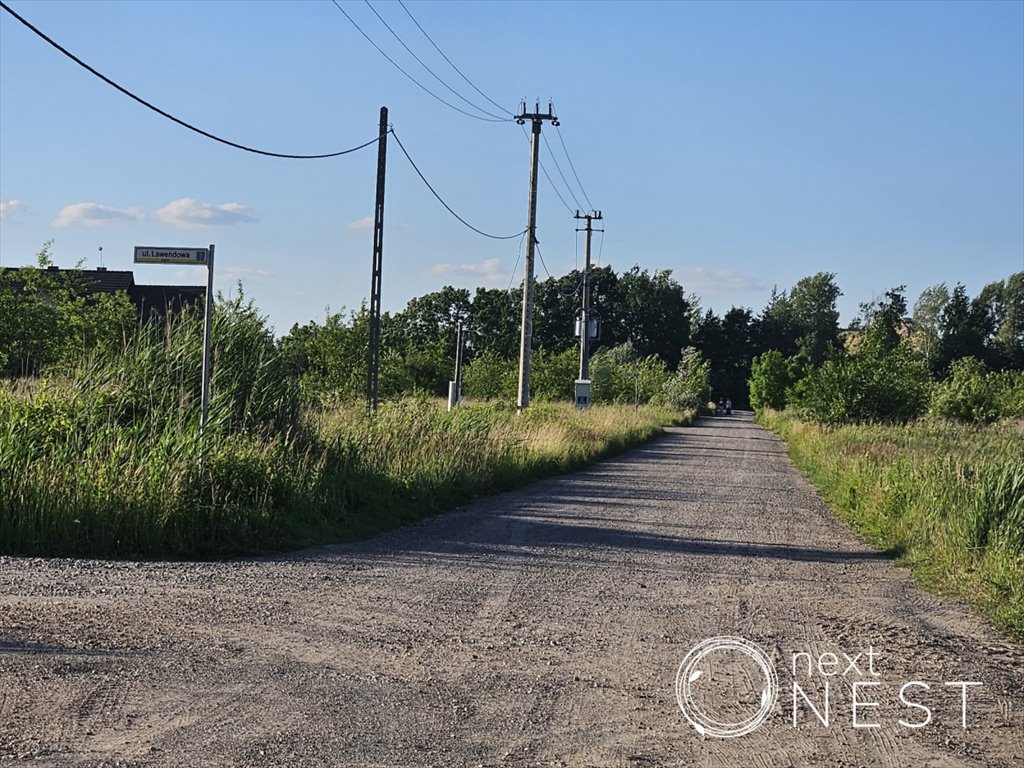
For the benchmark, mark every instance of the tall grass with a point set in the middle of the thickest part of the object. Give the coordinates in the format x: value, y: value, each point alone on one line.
x: 102, y: 459
x: 947, y: 499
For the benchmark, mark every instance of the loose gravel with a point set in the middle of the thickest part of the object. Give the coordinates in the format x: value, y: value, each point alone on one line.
x: 543, y: 627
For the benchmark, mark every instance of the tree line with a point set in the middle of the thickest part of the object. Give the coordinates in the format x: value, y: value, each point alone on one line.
x: 654, y: 338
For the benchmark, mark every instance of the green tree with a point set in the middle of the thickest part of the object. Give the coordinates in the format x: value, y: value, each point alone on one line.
x: 620, y: 375
x: 883, y: 318
x: 1003, y: 303
x: 771, y: 375
x: 48, y: 317
x: 655, y: 313
x: 928, y: 318
x: 495, y: 316
x: 687, y: 387
x: 775, y: 328
x: 875, y: 384
x: 814, y: 315
x: 964, y: 328
x: 490, y: 376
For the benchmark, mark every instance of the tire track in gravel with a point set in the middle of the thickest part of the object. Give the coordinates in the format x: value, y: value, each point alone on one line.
x: 543, y: 627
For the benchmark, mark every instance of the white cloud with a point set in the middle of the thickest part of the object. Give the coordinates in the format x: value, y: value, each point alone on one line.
x: 485, y: 273
x: 188, y: 213
x: 244, y: 273
x: 191, y: 276
x: 231, y: 274
x: 9, y: 209
x: 487, y: 267
x: 94, y: 215
x: 713, y: 282
x: 360, y: 224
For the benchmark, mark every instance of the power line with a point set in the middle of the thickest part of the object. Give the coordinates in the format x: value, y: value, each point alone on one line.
x: 571, y: 293
x: 548, y: 177
x: 519, y: 255
x: 169, y: 116
x: 546, y: 270
x: 573, y: 167
x: 438, y: 49
x: 435, y: 75
x: 441, y: 200
x: 559, y: 169
x: 555, y: 189
x: 413, y: 79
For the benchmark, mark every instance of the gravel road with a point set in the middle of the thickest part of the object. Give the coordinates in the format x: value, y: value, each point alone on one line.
x: 543, y: 627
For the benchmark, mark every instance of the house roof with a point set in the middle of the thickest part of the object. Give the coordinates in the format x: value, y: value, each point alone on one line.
x: 147, y: 298
x: 91, y: 280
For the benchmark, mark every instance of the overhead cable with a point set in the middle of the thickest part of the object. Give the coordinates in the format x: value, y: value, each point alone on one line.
x: 397, y: 66
x: 441, y: 200
x: 559, y: 169
x: 573, y: 167
x: 548, y: 177
x: 438, y: 49
x: 434, y: 74
x: 519, y: 255
x: 171, y: 117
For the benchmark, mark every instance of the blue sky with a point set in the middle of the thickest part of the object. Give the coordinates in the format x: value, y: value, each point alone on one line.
x: 742, y: 145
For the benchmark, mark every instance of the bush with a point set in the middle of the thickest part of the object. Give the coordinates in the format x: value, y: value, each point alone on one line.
x: 971, y: 393
x: 619, y: 375
x: 876, y: 384
x: 770, y: 376
x: 553, y: 375
x: 688, y: 386
x: 490, y: 376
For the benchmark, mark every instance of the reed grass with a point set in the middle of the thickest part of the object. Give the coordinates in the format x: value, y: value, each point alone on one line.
x: 102, y: 459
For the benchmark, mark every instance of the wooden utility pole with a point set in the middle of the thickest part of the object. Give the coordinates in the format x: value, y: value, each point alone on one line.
x: 373, y: 353
x: 526, y: 330
x: 585, y: 310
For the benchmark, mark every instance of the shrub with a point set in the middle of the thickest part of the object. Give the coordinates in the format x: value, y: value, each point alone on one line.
x: 688, y: 386
x: 619, y: 375
x: 971, y: 393
x: 770, y: 376
x: 490, y: 376
x: 876, y: 384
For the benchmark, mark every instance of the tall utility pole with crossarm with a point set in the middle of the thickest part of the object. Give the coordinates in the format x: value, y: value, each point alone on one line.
x: 526, y: 331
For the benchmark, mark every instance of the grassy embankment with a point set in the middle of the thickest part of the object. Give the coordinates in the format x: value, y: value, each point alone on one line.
x: 99, y: 468
x: 945, y: 499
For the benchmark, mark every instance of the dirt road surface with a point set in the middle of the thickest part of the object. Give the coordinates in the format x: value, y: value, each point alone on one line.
x: 544, y: 627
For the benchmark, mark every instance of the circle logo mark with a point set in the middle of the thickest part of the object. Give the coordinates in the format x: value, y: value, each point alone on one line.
x: 692, y: 670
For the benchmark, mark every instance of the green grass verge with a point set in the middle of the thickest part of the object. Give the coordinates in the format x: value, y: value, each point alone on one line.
x: 80, y: 478
x: 945, y: 499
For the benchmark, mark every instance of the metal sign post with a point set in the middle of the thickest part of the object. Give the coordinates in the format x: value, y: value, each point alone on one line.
x: 145, y: 254
x: 205, y: 397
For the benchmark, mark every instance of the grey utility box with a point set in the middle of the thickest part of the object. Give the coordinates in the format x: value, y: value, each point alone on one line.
x: 582, y: 394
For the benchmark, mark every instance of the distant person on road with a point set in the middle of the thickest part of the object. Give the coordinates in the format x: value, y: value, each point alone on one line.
x: 728, y: 407
x: 721, y: 407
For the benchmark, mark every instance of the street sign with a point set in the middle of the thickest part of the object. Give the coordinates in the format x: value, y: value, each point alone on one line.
x: 202, y: 257
x: 145, y: 254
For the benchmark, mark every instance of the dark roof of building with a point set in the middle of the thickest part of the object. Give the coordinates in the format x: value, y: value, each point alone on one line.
x: 92, y: 280
x: 146, y: 297
x: 159, y: 296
